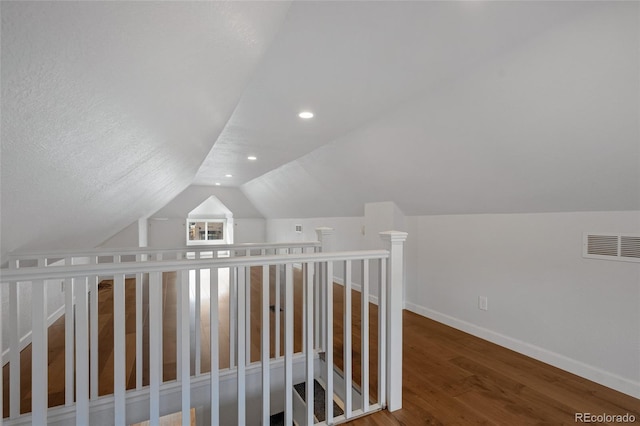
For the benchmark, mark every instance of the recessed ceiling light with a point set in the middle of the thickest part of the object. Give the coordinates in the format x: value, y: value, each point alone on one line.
x: 217, y: 183
x: 228, y: 175
x: 252, y: 158
x: 306, y: 114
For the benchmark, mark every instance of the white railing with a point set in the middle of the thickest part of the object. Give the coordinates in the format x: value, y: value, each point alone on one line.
x: 44, y: 258
x: 266, y: 386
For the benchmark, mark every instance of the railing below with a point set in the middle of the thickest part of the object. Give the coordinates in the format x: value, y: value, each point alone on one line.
x: 140, y: 254
x: 258, y: 372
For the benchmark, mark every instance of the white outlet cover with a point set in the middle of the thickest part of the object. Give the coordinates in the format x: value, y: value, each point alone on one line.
x: 483, y: 303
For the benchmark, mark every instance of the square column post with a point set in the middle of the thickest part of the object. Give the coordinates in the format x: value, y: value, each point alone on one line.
x: 394, y: 243
x: 325, y: 236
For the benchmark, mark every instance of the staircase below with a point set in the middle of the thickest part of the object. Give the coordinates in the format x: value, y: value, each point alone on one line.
x: 319, y: 400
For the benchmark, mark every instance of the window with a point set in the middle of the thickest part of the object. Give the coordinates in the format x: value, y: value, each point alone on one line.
x: 206, y: 231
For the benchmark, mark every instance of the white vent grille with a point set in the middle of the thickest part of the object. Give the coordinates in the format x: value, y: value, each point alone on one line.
x: 612, y: 247
x: 630, y: 246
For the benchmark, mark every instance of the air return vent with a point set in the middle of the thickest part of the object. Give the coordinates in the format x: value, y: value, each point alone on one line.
x: 630, y: 247
x: 612, y: 247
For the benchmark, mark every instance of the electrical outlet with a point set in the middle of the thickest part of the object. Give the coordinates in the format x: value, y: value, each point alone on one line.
x: 483, y: 303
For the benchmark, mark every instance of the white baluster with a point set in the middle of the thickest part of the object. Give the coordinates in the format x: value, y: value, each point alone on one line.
x: 82, y: 352
x: 329, y: 342
x: 242, y: 328
x: 266, y: 389
x: 316, y: 310
x: 93, y: 324
x: 347, y: 339
x: 1, y: 364
x: 365, y: 335
x: 185, y: 344
x: 323, y: 300
x: 310, y: 392
x: 139, y: 328
x: 304, y: 306
x: 288, y: 345
x: 325, y: 237
x: 247, y: 337
x: 382, y: 332
x: 155, y: 346
x: 233, y: 309
x: 39, y: 347
x: 14, y: 350
x: 68, y: 338
x: 119, y: 351
x: 198, y: 310
x: 277, y: 316
x: 178, y: 287
x: 213, y: 346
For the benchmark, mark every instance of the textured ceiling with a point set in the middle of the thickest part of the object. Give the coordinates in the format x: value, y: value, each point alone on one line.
x: 108, y: 108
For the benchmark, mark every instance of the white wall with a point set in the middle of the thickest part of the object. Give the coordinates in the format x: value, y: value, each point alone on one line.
x: 545, y: 300
x: 347, y: 231
x: 247, y: 230
x: 128, y: 237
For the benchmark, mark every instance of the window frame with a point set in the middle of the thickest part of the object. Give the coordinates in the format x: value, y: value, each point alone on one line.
x: 206, y: 241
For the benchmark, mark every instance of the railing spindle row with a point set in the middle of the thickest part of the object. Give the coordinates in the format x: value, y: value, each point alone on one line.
x: 317, y: 291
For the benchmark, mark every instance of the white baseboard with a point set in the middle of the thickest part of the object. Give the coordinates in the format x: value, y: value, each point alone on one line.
x: 357, y: 287
x: 581, y: 369
x: 26, y: 339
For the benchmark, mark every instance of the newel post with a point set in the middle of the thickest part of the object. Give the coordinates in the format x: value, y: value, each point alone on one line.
x: 394, y: 243
x: 325, y: 236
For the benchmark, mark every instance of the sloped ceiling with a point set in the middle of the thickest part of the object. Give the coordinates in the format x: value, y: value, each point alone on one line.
x: 542, y: 118
x: 109, y: 108
x: 194, y: 195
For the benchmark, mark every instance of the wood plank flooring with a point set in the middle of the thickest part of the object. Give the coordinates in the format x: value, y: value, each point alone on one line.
x: 449, y: 377
x: 453, y: 378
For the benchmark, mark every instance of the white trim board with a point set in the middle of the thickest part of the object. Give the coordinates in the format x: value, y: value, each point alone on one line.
x: 605, y: 378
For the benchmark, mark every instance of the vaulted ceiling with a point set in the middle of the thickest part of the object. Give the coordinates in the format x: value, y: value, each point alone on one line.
x: 112, y: 109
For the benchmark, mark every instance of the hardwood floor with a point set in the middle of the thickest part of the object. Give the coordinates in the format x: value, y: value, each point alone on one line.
x: 449, y: 377
x: 453, y: 378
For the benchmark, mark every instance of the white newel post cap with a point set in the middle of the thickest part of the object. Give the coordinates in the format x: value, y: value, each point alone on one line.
x: 325, y: 235
x: 394, y: 236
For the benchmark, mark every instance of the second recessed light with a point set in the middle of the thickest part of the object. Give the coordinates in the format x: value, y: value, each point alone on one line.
x: 252, y: 158
x: 306, y: 114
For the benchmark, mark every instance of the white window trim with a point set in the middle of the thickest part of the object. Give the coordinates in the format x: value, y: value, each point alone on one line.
x: 207, y: 242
